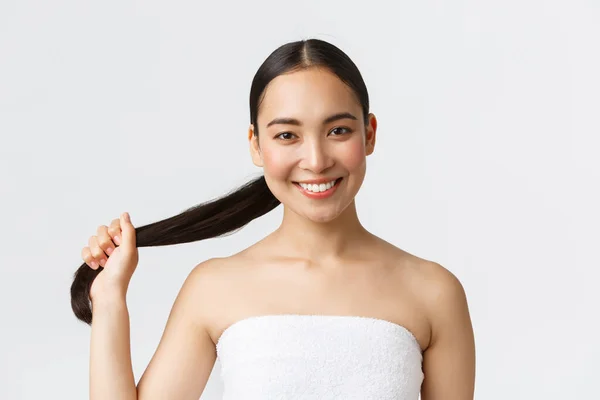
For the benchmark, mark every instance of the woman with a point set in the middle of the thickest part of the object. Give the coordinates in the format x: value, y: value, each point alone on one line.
x: 320, y: 308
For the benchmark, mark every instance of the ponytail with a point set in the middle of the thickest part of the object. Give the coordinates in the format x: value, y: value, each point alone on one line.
x: 207, y: 220
x: 231, y: 212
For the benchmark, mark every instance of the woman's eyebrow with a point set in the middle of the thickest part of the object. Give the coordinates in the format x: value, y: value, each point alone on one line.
x: 293, y: 121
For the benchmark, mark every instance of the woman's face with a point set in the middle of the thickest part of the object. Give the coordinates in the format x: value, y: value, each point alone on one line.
x: 311, y: 127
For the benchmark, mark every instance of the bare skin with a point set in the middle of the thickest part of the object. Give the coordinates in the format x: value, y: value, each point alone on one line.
x: 375, y: 280
x: 320, y: 261
x: 379, y: 280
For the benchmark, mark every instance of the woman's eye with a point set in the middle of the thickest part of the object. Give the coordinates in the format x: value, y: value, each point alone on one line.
x: 344, y: 129
x: 338, y: 131
x: 280, y: 136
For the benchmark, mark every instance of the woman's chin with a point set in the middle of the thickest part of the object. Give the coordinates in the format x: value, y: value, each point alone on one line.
x: 322, y: 216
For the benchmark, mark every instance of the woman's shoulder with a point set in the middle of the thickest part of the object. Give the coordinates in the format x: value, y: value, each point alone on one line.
x: 215, y: 270
x: 434, y: 282
x: 218, y: 277
x: 440, y: 292
x: 426, y: 268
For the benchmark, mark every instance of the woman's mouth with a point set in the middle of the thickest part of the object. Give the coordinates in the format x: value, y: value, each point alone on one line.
x: 318, y: 191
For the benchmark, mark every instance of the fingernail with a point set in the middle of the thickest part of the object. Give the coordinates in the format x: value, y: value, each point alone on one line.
x: 117, y: 240
x: 103, y: 262
x: 94, y: 264
x: 109, y: 251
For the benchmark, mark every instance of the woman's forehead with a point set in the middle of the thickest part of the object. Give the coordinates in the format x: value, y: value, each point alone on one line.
x: 306, y: 94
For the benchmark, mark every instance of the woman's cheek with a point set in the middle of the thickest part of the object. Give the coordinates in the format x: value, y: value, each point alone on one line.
x: 353, y: 154
x: 276, y: 163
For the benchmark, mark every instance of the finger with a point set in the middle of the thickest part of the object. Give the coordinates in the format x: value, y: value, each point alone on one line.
x: 86, y: 255
x: 114, y: 230
x: 128, y: 231
x: 104, y: 240
x: 97, y: 252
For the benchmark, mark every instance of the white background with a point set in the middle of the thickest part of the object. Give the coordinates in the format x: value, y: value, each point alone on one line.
x: 486, y: 162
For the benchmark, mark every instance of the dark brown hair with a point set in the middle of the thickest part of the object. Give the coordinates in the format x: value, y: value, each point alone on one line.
x: 233, y: 211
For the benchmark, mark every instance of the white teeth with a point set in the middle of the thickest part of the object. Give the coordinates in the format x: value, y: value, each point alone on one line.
x: 317, y: 188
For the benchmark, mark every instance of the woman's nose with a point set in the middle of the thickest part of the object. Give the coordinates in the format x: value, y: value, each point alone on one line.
x: 316, y: 157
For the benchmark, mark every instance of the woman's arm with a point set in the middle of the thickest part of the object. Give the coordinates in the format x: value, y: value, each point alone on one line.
x: 449, y: 360
x: 186, y: 353
x: 111, y: 373
x: 183, y: 360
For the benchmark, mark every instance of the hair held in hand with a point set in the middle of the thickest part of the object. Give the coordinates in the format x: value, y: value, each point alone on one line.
x: 233, y: 211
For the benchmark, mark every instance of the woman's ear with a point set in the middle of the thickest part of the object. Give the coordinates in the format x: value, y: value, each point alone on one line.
x: 254, y: 147
x: 371, y: 135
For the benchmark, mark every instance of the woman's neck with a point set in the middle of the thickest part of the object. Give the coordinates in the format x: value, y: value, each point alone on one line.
x: 299, y: 236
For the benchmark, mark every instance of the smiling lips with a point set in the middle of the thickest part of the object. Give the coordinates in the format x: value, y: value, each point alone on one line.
x: 320, y: 190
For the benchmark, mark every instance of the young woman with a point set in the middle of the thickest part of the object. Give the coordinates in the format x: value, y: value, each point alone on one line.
x: 320, y: 308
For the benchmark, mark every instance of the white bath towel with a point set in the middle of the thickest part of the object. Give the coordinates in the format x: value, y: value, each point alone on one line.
x: 292, y: 356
